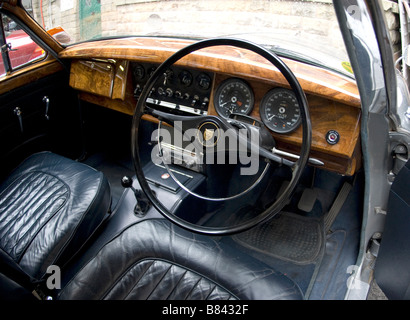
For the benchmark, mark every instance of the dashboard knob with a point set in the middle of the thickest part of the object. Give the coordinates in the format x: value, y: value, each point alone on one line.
x: 169, y: 92
x: 161, y: 91
x: 194, y: 101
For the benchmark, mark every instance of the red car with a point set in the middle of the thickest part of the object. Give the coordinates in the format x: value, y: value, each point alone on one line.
x: 22, y: 49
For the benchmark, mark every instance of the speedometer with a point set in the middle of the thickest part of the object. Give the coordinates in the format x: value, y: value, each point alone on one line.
x: 280, y: 111
x: 233, y: 96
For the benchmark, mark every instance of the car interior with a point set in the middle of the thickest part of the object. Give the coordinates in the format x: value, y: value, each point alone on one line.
x: 91, y: 183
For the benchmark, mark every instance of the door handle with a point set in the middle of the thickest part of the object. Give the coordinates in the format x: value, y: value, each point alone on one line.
x: 19, y: 114
x: 46, y: 100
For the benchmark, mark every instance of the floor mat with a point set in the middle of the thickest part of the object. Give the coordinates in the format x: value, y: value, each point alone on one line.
x: 114, y: 170
x: 288, y: 237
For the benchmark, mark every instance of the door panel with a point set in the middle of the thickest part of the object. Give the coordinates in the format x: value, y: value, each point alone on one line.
x: 38, y: 109
x: 392, y: 270
x: 39, y: 115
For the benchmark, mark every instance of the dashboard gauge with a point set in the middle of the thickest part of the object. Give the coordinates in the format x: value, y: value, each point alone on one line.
x: 233, y: 96
x: 139, y: 72
x: 280, y: 111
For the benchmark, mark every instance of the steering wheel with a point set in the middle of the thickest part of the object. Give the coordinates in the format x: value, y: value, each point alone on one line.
x: 226, y: 126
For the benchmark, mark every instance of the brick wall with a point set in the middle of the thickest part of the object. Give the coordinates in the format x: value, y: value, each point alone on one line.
x: 393, y: 23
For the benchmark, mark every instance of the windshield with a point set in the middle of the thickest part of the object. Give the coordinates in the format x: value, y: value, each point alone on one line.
x: 304, y: 30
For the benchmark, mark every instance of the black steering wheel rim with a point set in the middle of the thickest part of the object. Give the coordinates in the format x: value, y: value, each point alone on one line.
x: 298, y: 167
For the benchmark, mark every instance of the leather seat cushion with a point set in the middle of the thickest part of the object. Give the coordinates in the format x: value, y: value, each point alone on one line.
x: 49, y: 206
x: 154, y: 259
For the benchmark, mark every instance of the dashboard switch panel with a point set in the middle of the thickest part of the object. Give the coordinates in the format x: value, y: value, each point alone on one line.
x: 179, y: 90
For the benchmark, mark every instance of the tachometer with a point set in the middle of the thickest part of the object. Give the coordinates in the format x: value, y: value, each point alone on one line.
x: 280, y: 111
x: 233, y: 96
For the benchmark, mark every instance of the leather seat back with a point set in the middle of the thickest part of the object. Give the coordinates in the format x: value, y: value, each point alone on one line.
x: 154, y: 259
x: 49, y: 206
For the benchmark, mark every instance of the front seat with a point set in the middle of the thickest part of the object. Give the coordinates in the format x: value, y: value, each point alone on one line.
x: 49, y: 207
x: 155, y: 259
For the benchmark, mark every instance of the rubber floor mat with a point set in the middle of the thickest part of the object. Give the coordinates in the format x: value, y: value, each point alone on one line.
x: 288, y: 237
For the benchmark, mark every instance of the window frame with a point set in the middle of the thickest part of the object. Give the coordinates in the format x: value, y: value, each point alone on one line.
x: 5, y: 49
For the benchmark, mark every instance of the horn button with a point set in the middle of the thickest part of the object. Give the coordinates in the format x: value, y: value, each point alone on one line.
x: 208, y: 134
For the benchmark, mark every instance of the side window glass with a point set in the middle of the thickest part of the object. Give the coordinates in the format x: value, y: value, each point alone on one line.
x: 2, y: 64
x: 21, y: 48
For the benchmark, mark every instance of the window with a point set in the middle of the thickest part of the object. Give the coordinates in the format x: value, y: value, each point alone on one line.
x: 306, y: 30
x: 17, y: 48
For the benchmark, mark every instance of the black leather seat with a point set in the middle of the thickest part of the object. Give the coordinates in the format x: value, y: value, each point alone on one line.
x: 154, y: 259
x: 49, y: 206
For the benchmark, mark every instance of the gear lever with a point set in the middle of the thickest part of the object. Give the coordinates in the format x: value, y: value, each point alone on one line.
x: 143, y: 204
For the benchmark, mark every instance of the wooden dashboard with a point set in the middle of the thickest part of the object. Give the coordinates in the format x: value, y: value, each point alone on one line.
x: 101, y: 72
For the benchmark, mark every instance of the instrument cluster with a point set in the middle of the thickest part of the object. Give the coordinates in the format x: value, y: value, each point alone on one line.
x: 279, y: 108
x: 183, y: 91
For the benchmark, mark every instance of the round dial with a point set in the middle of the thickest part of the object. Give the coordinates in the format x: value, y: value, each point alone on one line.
x: 280, y: 111
x: 233, y: 96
